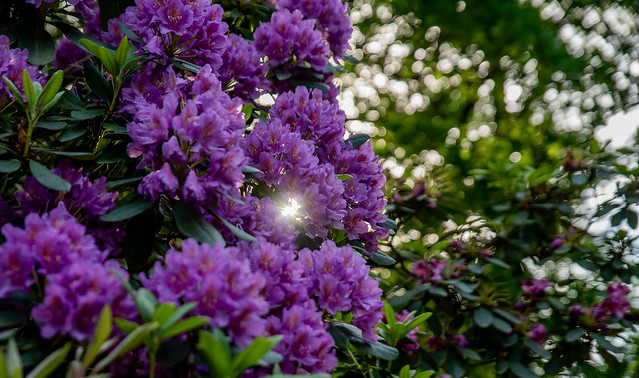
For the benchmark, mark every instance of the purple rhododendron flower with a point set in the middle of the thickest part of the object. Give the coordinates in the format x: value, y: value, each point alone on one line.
x: 48, y: 243
x: 243, y: 65
x: 220, y: 281
x: 87, y: 200
x: 192, y: 30
x: 449, y: 340
x: 331, y: 15
x: 538, y: 333
x: 341, y: 282
x: 202, y: 136
x: 617, y: 304
x: 431, y: 272
x: 74, y: 298
x: 79, y: 281
x: 411, y: 346
x: 12, y: 63
x: 535, y: 287
x: 289, y: 35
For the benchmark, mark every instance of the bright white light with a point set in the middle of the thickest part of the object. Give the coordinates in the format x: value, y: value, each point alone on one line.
x: 291, y: 209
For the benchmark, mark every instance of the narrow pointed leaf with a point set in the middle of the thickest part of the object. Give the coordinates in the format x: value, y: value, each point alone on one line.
x: 102, y: 332
x: 184, y: 326
x: 134, y: 339
x: 127, y: 211
x: 49, y: 364
x: 193, y: 224
x: 48, y: 178
x: 51, y: 88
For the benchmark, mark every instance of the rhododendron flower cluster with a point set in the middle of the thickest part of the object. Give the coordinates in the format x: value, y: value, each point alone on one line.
x: 191, y: 30
x: 341, y: 283
x: 331, y: 17
x: 87, y: 200
x: 12, y: 63
x: 175, y: 142
x: 181, y: 127
x: 80, y: 280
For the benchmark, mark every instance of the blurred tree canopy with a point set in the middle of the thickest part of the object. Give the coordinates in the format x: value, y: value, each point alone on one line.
x: 484, y: 112
x: 489, y: 81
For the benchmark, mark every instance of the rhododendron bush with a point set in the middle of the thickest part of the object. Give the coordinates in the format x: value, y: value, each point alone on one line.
x: 181, y: 197
x: 180, y: 194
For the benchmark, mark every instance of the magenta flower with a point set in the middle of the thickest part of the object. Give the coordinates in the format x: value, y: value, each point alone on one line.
x: 535, y: 287
x: 537, y: 333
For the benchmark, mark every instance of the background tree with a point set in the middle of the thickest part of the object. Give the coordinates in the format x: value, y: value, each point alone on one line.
x: 484, y: 113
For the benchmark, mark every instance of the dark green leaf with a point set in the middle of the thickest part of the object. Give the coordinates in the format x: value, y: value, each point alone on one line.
x: 521, y: 371
x: 71, y: 101
x: 173, y: 351
x: 248, y: 170
x: 8, y: 166
x: 50, y: 364
x: 439, y: 291
x: 357, y: 140
x: 39, y: 42
x: 127, y: 211
x: 309, y: 84
x: 72, y: 133
x: 9, y: 318
x: 497, y: 262
x: 376, y: 349
x: 579, y: 179
x: 413, y: 293
x: 618, y: 217
x: 192, y: 224
x: 282, y: 74
x: 75, y: 35
x: 184, y: 65
x: 236, y: 231
x: 502, y: 325
x: 537, y: 348
x: 116, y: 183
x: 574, y: 334
x: 344, y: 177
x: 97, y: 82
x: 565, y: 208
x: 132, y: 36
x: 507, y: 315
x: 48, y: 178
x: 483, y: 317
x: 604, y: 342
x: 388, y: 223
x: 115, y: 128
x: 455, y: 367
x: 631, y: 217
x: 382, y: 259
x: 72, y: 154
x: 501, y: 366
x: 87, y: 114
x: 467, y: 352
x: 51, y: 125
